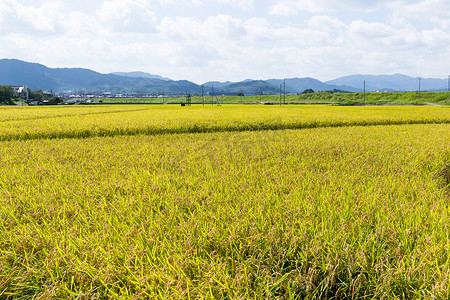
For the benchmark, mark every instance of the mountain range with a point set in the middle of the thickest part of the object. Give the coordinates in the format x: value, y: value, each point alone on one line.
x: 396, y: 82
x: 37, y: 76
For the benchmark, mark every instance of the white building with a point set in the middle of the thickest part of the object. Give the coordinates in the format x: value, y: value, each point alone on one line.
x: 21, y: 91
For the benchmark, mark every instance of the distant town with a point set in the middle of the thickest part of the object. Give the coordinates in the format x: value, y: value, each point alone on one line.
x: 24, y: 94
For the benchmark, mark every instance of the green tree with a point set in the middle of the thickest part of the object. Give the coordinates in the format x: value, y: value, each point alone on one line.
x: 36, y: 95
x: 6, y: 95
x: 55, y: 100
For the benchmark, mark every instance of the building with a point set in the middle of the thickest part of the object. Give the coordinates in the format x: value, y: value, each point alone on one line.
x: 21, y: 92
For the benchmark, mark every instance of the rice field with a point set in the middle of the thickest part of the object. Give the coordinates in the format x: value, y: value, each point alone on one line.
x: 230, y: 202
x: 26, y: 123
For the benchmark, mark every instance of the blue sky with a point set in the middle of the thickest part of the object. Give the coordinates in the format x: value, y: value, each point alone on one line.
x: 203, y: 40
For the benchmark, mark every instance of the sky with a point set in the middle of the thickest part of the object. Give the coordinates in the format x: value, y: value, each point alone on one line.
x: 232, y: 40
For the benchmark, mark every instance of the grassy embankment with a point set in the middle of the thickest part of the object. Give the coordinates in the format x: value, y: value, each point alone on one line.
x: 318, y: 97
x: 345, y: 212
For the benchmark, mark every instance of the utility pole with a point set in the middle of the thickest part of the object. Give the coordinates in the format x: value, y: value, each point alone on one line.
x: 212, y: 95
x: 26, y: 93
x: 364, y: 93
x: 203, y: 99
x: 419, y: 83
x: 448, y: 84
x: 188, y: 99
x: 280, y: 94
x: 242, y: 96
x: 260, y: 95
x: 284, y: 83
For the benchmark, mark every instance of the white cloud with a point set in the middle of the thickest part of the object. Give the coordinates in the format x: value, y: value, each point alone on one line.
x: 325, y: 23
x: 363, y: 30
x: 128, y: 16
x: 44, y: 18
x: 82, y: 25
x: 213, y: 28
x: 261, y: 30
x: 322, y: 6
x: 283, y: 9
x: 309, y: 34
x: 436, y: 11
x: 242, y: 4
x: 245, y: 5
x: 5, y: 10
x: 189, y: 40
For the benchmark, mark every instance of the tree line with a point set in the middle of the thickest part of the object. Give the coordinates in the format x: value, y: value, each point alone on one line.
x: 8, y: 97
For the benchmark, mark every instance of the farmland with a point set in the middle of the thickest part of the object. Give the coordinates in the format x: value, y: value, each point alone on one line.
x: 224, y: 202
x: 80, y: 121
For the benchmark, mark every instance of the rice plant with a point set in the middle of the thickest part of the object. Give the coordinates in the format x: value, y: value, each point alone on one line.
x: 235, y: 213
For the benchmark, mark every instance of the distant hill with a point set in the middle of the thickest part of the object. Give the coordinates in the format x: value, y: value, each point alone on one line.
x: 298, y: 85
x: 272, y: 86
x: 216, y: 84
x: 396, y: 82
x: 248, y: 87
x: 37, y: 76
x: 140, y: 74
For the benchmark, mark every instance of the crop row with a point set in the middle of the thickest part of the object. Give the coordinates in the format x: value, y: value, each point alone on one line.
x: 26, y: 113
x: 95, y: 121
x: 328, y: 212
